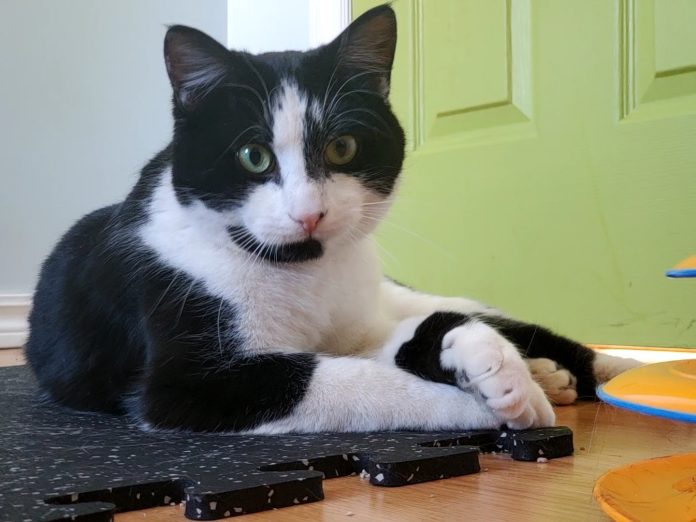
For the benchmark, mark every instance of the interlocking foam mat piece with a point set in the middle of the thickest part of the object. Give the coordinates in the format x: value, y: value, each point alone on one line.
x: 61, y: 465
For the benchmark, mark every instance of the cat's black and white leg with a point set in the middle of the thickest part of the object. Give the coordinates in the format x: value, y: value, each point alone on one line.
x: 298, y: 392
x: 565, y: 369
x: 462, y: 350
x: 561, y: 384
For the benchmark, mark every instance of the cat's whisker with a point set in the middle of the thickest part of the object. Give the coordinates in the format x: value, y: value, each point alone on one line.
x: 360, y: 91
x: 387, y: 253
x: 258, y: 252
x: 219, y: 335
x: 258, y: 75
x: 364, y: 110
x: 251, y: 256
x: 332, y: 104
x: 328, y: 87
x: 400, y: 228
x: 161, y: 297
x: 374, y: 208
x: 359, y: 123
x: 234, y: 142
x: 183, y: 303
x: 264, y: 104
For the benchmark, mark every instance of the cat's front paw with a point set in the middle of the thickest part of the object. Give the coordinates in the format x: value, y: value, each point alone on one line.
x: 485, y: 361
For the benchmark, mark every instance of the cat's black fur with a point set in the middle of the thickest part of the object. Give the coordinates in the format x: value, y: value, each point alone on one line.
x: 115, y: 330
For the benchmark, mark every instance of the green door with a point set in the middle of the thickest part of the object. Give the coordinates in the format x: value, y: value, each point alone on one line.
x: 552, y: 161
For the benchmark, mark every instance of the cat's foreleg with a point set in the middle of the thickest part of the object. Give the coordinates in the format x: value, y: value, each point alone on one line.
x: 298, y: 392
x: 457, y: 349
x: 565, y: 369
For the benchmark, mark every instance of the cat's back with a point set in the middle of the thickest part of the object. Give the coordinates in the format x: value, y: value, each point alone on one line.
x: 66, y: 263
x: 76, y: 308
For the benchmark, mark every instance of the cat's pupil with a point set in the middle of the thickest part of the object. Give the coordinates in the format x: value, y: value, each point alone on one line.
x: 341, y: 148
x: 255, y: 156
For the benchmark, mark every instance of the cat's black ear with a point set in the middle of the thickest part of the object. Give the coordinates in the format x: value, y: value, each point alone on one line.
x: 368, y: 44
x: 196, y: 63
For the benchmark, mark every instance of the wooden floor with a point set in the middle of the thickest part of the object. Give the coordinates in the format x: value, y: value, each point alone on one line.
x: 560, y: 490
x: 605, y: 437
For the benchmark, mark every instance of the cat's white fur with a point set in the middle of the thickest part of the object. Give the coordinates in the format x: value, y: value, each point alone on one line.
x: 338, y: 304
x: 355, y: 394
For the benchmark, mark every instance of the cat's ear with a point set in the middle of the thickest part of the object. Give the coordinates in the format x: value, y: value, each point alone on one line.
x: 367, y: 46
x: 196, y: 63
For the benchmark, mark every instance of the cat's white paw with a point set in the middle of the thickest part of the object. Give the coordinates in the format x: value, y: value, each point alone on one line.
x: 558, y: 383
x: 484, y: 360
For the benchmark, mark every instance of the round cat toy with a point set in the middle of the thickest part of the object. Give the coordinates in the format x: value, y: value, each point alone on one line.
x: 666, y: 389
x: 652, y: 490
x: 685, y: 268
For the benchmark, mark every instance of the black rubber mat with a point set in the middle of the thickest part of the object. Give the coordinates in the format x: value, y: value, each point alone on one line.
x: 57, y: 464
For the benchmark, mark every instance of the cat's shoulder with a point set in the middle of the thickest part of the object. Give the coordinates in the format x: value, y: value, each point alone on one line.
x: 86, y: 232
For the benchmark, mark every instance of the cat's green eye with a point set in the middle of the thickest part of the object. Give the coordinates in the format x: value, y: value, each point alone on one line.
x: 255, y: 158
x: 341, y: 150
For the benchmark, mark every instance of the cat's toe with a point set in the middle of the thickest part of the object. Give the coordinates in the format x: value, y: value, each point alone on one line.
x: 538, y: 413
x: 522, y: 403
x: 558, y: 383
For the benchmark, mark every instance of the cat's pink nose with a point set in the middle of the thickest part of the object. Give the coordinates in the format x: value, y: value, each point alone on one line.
x: 310, y: 222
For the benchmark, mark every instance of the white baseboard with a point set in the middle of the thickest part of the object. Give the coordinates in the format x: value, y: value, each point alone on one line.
x: 14, y: 314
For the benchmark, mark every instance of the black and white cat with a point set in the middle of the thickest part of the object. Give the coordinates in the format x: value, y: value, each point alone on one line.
x: 237, y: 287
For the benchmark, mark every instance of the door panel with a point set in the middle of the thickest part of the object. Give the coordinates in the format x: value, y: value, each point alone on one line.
x: 552, y: 161
x: 658, y: 57
x: 465, y: 91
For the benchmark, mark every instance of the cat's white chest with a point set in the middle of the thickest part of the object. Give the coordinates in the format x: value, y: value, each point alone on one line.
x: 274, y: 310
x: 316, y: 307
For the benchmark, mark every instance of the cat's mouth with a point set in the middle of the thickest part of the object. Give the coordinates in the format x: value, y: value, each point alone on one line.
x: 295, y: 252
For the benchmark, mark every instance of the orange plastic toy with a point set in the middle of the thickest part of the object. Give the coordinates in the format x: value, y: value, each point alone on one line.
x: 665, y: 389
x: 685, y: 268
x: 655, y: 490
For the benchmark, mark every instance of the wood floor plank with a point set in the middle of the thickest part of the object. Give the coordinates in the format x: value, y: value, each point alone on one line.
x: 11, y: 357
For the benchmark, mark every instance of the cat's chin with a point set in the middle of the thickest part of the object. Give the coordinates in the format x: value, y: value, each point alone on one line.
x: 294, y: 252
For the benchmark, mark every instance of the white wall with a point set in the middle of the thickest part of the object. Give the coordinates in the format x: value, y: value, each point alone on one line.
x: 84, y: 102
x: 268, y: 25
x: 274, y: 25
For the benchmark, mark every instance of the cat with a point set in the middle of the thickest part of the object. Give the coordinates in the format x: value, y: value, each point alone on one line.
x: 237, y: 287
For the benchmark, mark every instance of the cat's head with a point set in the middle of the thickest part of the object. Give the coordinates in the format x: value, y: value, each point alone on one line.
x: 298, y: 151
